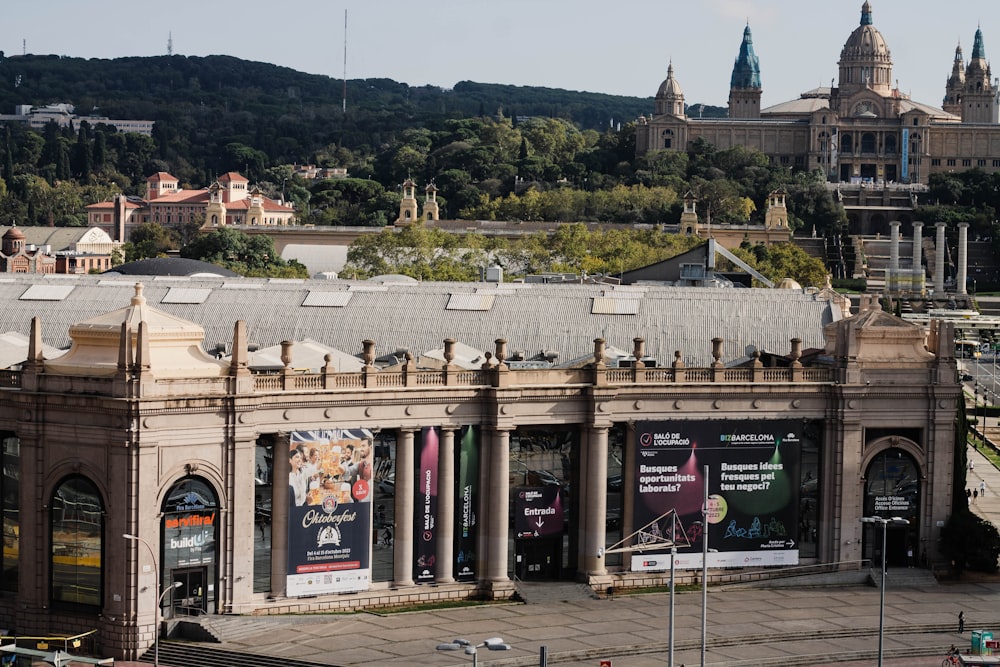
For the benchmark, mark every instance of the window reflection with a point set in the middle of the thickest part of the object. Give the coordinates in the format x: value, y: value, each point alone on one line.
x: 77, y: 532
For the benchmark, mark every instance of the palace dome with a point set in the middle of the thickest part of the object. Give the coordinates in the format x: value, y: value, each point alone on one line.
x: 669, y: 89
x: 866, y: 42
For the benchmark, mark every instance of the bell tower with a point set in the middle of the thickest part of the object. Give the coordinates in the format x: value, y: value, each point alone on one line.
x: 956, y: 85
x: 744, y: 85
x: 408, y: 205
x: 979, y: 103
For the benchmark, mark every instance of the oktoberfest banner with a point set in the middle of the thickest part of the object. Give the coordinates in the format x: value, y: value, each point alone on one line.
x: 329, y: 511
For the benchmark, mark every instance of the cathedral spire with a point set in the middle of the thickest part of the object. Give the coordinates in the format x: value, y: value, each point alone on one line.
x: 978, y: 50
x: 744, y: 85
x: 746, y: 70
x: 866, y: 13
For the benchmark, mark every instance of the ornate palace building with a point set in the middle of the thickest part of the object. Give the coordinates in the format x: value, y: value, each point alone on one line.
x: 864, y: 129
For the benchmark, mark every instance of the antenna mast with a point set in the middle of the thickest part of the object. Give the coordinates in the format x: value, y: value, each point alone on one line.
x: 345, y: 62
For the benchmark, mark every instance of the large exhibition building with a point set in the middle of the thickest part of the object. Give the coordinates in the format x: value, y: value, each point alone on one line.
x: 250, y: 446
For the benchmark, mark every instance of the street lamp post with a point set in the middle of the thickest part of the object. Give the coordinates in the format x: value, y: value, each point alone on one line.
x: 491, y: 644
x: 895, y: 521
x: 159, y: 596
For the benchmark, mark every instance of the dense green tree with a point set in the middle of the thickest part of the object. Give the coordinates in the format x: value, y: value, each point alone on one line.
x: 248, y: 255
x: 149, y: 240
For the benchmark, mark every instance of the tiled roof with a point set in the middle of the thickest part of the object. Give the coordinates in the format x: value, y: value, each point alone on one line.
x: 416, y: 316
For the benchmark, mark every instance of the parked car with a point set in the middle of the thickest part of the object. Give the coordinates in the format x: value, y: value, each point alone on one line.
x: 386, y: 486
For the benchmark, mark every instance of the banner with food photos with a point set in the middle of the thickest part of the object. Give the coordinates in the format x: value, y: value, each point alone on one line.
x: 329, y: 511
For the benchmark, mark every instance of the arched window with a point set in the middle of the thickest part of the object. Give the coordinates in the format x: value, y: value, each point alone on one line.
x: 892, y: 489
x: 668, y: 138
x: 77, y: 543
x: 868, y: 142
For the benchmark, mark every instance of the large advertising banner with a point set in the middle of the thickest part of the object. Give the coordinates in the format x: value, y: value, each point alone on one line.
x: 468, y: 501
x: 425, y: 506
x: 753, y: 488
x: 905, y: 158
x: 329, y: 511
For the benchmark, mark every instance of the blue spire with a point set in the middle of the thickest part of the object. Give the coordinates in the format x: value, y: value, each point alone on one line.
x: 746, y: 71
x: 866, y: 13
x: 978, y: 50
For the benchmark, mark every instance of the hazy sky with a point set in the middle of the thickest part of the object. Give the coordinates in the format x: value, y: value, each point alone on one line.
x: 618, y: 47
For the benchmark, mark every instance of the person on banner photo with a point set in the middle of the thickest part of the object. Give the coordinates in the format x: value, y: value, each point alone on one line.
x: 298, y: 480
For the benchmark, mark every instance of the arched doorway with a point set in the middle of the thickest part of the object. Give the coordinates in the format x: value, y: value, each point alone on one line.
x: 892, y: 490
x: 190, y: 557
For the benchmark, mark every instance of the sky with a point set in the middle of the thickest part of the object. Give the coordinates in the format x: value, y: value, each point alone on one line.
x: 618, y: 47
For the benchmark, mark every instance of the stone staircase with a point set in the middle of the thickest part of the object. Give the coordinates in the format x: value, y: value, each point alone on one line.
x: 227, y: 628
x: 176, y: 653
x: 545, y: 592
x: 902, y: 577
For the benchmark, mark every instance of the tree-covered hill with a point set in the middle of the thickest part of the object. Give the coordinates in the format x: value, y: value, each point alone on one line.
x: 201, y: 104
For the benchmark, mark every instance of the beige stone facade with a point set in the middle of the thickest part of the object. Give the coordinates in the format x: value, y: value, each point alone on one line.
x: 136, y: 431
x: 864, y: 129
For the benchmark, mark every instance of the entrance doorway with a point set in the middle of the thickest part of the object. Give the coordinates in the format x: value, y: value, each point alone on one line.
x: 189, y: 599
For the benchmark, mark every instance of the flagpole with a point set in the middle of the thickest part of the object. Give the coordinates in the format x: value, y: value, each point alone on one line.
x: 704, y: 568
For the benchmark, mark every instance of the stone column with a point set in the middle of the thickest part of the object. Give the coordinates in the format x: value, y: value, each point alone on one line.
x: 498, y: 497
x: 595, y: 491
x: 402, y: 552
x: 963, y: 257
x: 281, y: 468
x: 892, y: 280
x: 939, y: 259
x: 445, y: 561
x: 918, y: 258
x: 628, y: 482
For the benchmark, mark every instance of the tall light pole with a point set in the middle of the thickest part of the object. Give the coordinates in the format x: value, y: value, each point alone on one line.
x: 895, y: 521
x: 159, y: 595
x: 491, y: 644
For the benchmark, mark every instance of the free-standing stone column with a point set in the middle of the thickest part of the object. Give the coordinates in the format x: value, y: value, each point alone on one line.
x: 918, y: 258
x: 939, y: 259
x: 445, y: 565
x: 279, y: 515
x: 402, y: 553
x: 892, y: 280
x: 499, y: 513
x: 595, y: 519
x: 963, y: 257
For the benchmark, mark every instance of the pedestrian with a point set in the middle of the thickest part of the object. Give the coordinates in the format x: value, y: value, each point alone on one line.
x: 972, y: 465
x: 968, y: 495
x: 982, y: 488
x: 975, y: 496
x: 961, y: 622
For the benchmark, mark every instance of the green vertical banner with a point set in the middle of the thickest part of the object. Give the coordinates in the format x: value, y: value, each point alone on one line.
x: 466, y: 504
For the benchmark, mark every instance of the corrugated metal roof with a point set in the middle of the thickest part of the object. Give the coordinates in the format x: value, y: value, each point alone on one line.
x: 416, y: 317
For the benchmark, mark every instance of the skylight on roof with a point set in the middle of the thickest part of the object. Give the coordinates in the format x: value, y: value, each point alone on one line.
x: 186, y: 295
x: 321, y: 299
x: 604, y: 305
x: 46, y: 293
x: 471, y: 302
